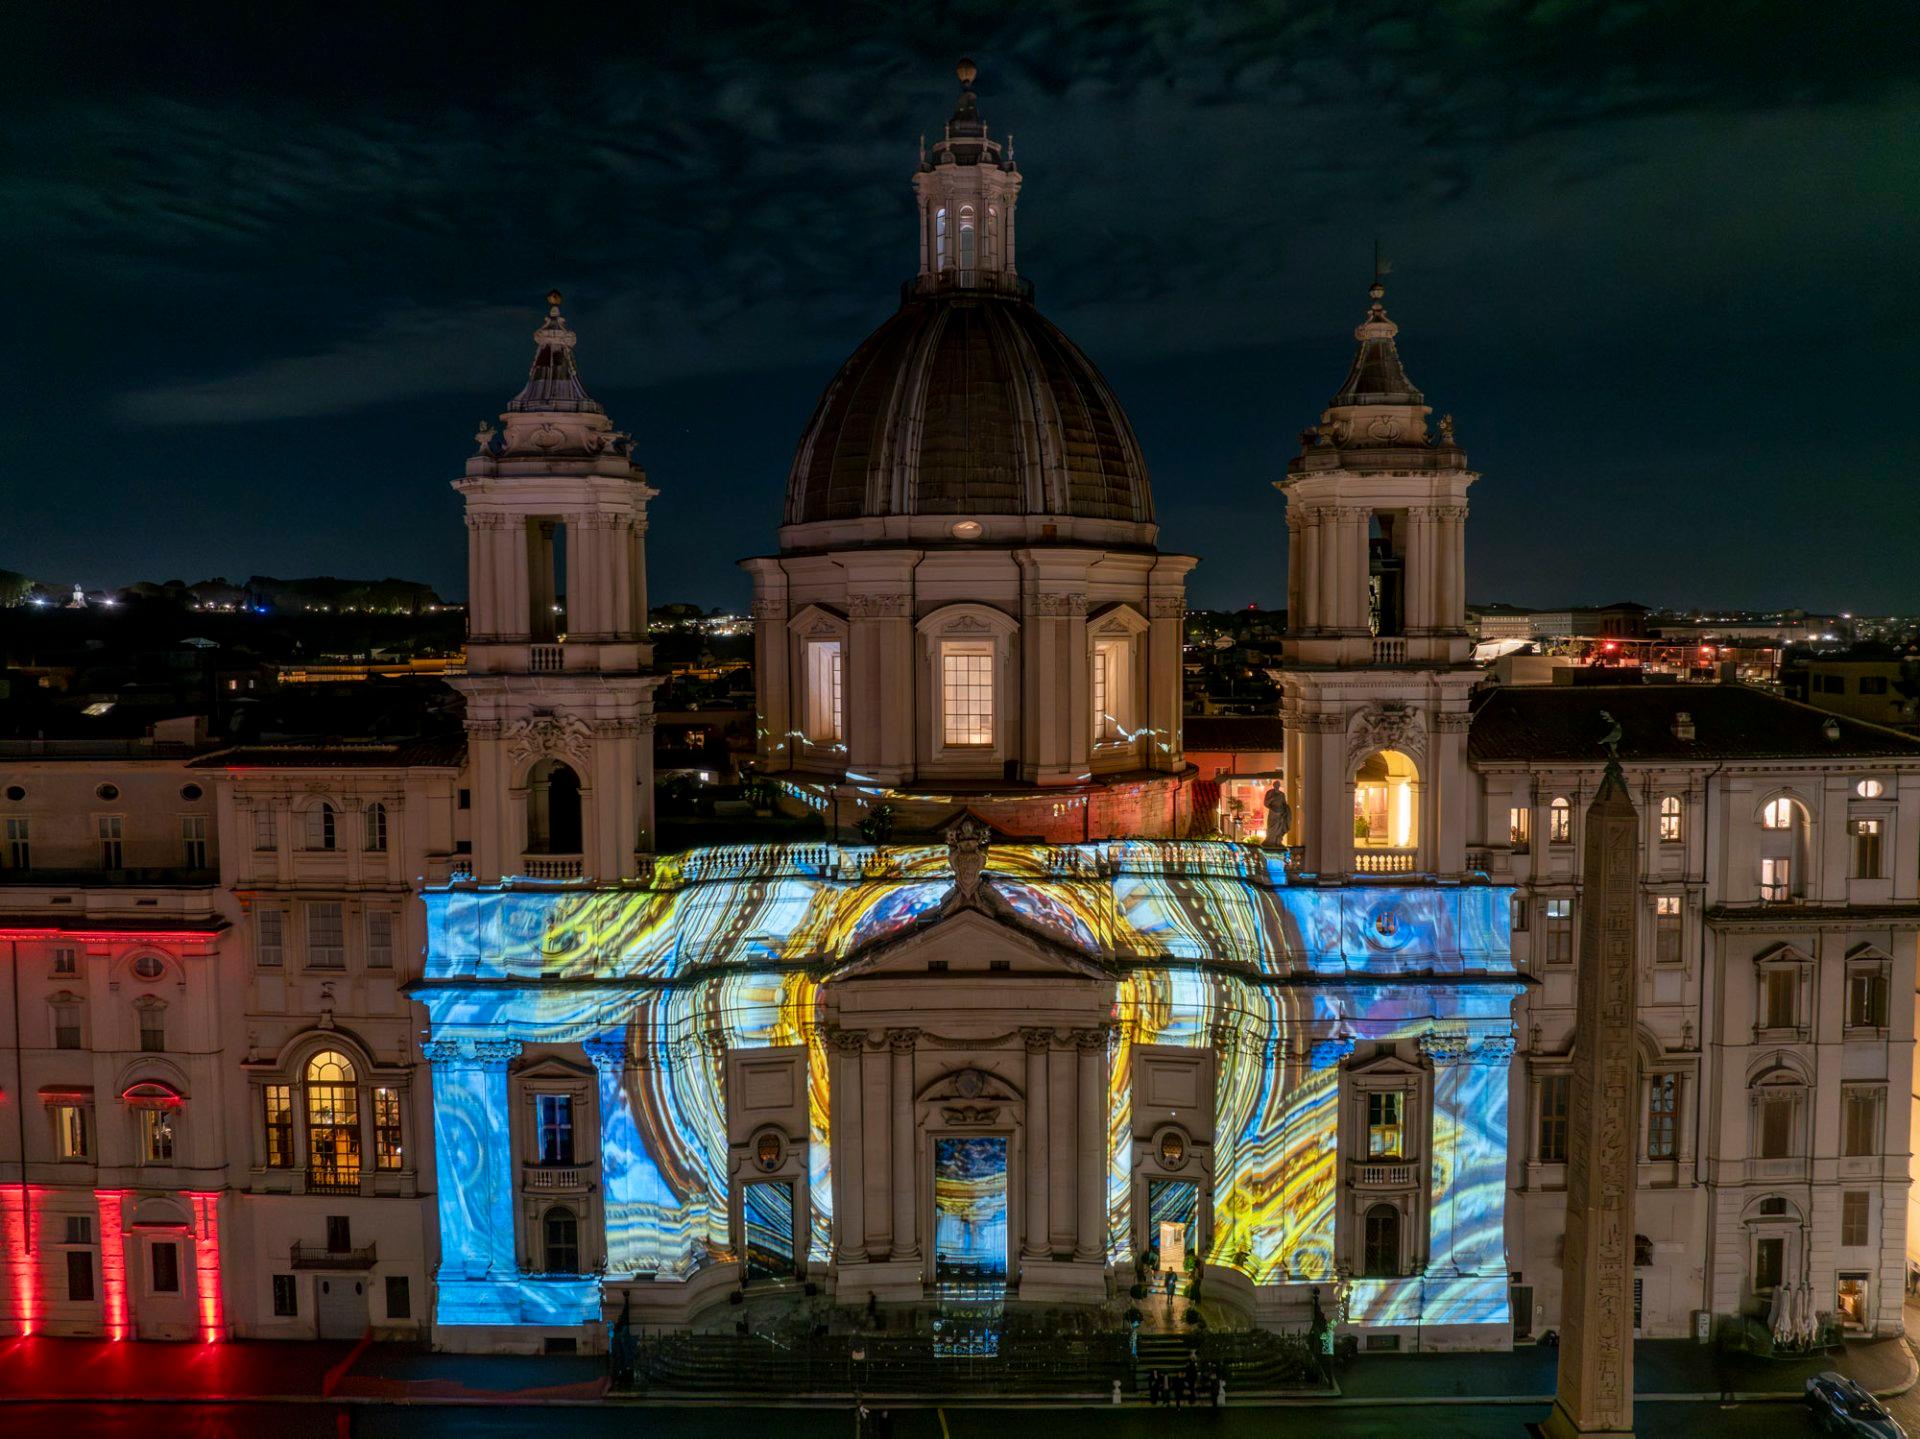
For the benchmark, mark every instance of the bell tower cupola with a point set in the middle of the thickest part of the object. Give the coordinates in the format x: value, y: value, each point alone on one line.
x: 966, y: 187
x: 559, y: 698
x: 1377, y: 651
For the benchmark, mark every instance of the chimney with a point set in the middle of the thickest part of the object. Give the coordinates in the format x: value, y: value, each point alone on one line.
x: 1683, y: 725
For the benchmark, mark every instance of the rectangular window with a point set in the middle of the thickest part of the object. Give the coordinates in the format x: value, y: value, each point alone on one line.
x: 111, y: 830
x: 1867, y: 998
x: 1776, y: 1126
x: 277, y: 1100
x: 1558, y: 932
x: 1855, y: 1209
x: 1555, y: 1090
x: 1666, y: 929
x: 387, y: 1150
x: 66, y: 1026
x: 266, y: 834
x: 1866, y: 848
x: 1109, y: 691
x: 825, y: 724
x: 19, y: 842
x: 1873, y: 684
x: 399, y: 1297
x: 193, y: 841
x: 379, y: 939
x: 1517, y: 909
x: 1519, y: 826
x: 1859, y: 1121
x: 1663, y: 1116
x: 70, y: 1131
x: 270, y: 928
x: 79, y: 1229
x: 153, y: 1029
x: 1779, y: 996
x: 1560, y: 822
x: 165, y: 1259
x: 65, y: 961
x: 1776, y: 879
x: 156, y: 1136
x: 79, y: 1276
x: 1386, y: 1128
x: 1670, y: 820
x: 553, y: 1118
x: 1769, y: 1263
x: 286, y: 1296
x: 321, y: 831
x: 966, y: 693
x: 326, y: 936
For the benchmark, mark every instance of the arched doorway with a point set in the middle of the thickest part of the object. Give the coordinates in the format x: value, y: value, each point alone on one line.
x: 1386, y: 812
x: 553, y: 808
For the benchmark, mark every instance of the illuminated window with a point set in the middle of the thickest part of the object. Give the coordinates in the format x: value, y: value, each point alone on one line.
x: 1869, y: 789
x: 1776, y: 878
x: 277, y: 1104
x: 270, y: 929
x: 553, y: 1123
x: 156, y: 1136
x: 1663, y: 1116
x: 376, y: 828
x: 1779, y: 997
x: 1778, y: 814
x: 322, y: 826
x: 1110, y: 707
x: 1859, y: 1121
x: 1384, y: 802
x: 940, y: 238
x: 1386, y: 1127
x: 1866, y: 848
x: 1670, y: 820
x: 111, y: 830
x: 19, y: 842
x: 966, y: 693
x: 1519, y: 826
x: 388, y: 1151
x: 1666, y: 929
x: 968, y: 251
x: 825, y: 722
x: 380, y: 939
x: 326, y: 936
x: 333, y: 1124
x: 1555, y: 1090
x: 1560, y: 822
x: 70, y: 1131
x: 560, y: 1233
x: 265, y: 831
x: 1867, y: 997
x: 1556, y: 932
x: 1856, y: 1224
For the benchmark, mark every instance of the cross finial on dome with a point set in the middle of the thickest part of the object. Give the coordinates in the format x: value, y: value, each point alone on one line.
x: 553, y: 299
x: 553, y: 382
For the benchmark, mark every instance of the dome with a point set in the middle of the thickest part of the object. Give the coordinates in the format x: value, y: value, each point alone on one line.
x: 968, y: 402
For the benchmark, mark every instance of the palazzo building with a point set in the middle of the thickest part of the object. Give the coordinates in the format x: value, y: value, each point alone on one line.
x: 437, y: 1039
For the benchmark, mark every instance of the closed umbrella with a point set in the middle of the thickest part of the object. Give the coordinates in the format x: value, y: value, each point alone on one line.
x: 1780, y: 1317
x: 1809, y: 1321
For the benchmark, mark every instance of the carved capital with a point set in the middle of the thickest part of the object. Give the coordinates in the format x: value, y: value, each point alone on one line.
x: 877, y: 607
x: 1444, y: 1046
x: 848, y: 1043
x: 1495, y: 1049
x: 768, y: 609
x: 902, y: 1041
x: 496, y: 1051
x: 1452, y: 723
x: 1037, y: 1041
x: 608, y: 1054
x: 1327, y: 1053
x: 1090, y: 1041
x: 442, y: 1051
x: 1059, y: 606
x: 1167, y: 607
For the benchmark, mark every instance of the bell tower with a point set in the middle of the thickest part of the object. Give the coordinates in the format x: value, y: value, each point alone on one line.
x: 966, y: 189
x: 1378, y: 656
x: 559, y: 698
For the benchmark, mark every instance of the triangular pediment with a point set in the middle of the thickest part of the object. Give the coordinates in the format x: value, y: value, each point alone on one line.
x: 972, y: 940
x: 552, y: 1066
x: 1384, y: 1066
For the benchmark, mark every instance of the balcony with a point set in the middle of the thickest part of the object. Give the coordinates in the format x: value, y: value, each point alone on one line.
x: 1385, y: 861
x: 548, y: 1178
x: 1389, y: 649
x: 333, y: 1181
x: 1400, y: 1174
x: 551, y: 866
x: 546, y: 659
x: 318, y: 1256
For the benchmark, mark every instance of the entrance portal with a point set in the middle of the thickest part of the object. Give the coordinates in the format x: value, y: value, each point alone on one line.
x: 970, y: 1210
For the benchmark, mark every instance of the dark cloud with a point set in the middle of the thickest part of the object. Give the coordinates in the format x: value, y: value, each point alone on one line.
x: 1630, y: 238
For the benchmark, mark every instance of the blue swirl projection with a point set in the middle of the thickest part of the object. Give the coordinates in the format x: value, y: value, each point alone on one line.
x: 969, y: 1209
x: 728, y: 948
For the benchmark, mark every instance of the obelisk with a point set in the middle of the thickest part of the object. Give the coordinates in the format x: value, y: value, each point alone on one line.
x: 1594, y: 1395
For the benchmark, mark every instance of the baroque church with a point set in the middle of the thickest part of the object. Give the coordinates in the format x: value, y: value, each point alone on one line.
x: 1039, y: 1032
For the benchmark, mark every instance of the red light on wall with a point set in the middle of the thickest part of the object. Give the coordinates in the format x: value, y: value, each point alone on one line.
x: 206, y: 1251
x: 113, y: 1262
x: 16, y: 1231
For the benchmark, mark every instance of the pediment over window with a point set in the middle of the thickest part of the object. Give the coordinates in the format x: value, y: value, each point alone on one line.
x: 1384, y: 1067
x: 552, y: 1066
x: 1118, y: 618
x: 972, y: 941
x: 818, y: 622
x: 1782, y: 953
x: 1868, y: 953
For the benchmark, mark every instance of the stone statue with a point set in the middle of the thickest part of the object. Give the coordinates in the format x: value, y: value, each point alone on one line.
x: 1279, y: 817
x: 1610, y: 741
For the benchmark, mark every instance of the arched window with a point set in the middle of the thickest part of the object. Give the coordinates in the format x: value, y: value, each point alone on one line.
x: 1560, y: 821
x: 1385, y: 802
x: 1382, y: 1257
x: 553, y: 808
x: 969, y: 250
x: 1670, y: 819
x: 321, y: 826
x: 940, y: 238
x: 560, y: 1237
x: 376, y: 818
x: 333, y: 1124
x: 1783, y: 849
x: 1778, y: 814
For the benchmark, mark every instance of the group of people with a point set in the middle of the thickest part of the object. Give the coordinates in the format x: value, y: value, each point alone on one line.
x: 1195, y: 1384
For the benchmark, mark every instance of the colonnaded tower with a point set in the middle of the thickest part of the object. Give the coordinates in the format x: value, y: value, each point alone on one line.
x: 968, y: 609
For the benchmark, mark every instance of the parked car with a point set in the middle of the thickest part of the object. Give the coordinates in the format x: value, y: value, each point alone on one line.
x: 1840, y: 1406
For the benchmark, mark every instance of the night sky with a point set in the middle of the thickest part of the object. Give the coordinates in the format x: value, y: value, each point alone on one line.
x: 1658, y: 260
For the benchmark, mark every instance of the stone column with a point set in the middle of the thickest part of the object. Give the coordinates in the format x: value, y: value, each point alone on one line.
x: 1060, y: 1151
x: 906, y: 1244
x: 473, y: 1158
x: 1595, y: 1392
x: 1090, y: 1226
x: 876, y: 1154
x: 850, y: 1233
x: 1326, y: 530
x: 1294, y: 569
x: 1037, y: 1245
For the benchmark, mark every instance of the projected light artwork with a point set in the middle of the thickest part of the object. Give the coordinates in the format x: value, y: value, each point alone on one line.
x: 970, y: 1210
x: 733, y: 950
